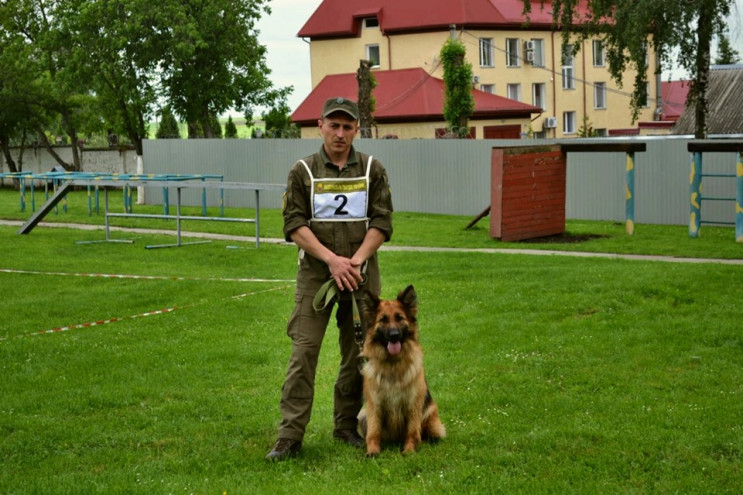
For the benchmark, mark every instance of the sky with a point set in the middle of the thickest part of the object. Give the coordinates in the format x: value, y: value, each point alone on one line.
x: 289, y: 56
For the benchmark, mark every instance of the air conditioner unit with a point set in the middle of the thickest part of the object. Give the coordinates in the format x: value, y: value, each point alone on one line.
x: 529, y: 45
x: 529, y: 56
x: 550, y: 122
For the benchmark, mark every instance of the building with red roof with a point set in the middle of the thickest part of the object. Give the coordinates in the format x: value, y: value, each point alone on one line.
x: 411, y: 100
x: 522, y: 77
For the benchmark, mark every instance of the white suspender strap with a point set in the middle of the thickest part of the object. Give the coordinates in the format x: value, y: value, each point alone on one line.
x: 307, y: 167
x: 368, y: 168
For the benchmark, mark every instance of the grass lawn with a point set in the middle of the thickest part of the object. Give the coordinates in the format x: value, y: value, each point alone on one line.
x: 552, y: 374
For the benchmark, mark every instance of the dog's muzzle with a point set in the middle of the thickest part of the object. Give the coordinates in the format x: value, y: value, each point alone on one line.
x: 394, y: 338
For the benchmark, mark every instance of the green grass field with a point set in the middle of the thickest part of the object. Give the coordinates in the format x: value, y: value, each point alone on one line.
x: 552, y: 374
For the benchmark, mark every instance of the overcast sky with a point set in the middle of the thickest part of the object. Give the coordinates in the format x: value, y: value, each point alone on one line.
x: 289, y: 56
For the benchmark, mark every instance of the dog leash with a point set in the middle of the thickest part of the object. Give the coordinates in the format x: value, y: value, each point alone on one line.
x: 327, y: 294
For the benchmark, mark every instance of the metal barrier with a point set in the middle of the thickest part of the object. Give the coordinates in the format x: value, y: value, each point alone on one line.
x: 697, y: 149
x: 629, y: 179
x: 178, y: 183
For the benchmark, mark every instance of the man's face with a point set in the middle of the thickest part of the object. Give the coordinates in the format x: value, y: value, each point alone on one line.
x: 337, y: 131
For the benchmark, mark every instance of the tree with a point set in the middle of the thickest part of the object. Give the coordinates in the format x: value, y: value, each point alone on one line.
x: 168, y: 128
x: 586, y: 130
x: 458, y: 100
x: 628, y: 27
x: 215, y: 126
x: 279, y: 124
x: 116, y: 47
x: 367, y: 104
x: 726, y: 54
x: 215, y: 61
x: 18, y: 74
x: 52, y: 92
x: 230, y: 129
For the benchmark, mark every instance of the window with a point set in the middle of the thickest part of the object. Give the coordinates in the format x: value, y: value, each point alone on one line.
x: 539, y: 95
x: 512, y: 52
x: 488, y: 88
x: 538, y: 45
x: 598, y: 53
x: 599, y: 95
x: 371, y: 22
x: 568, y: 76
x: 568, y: 122
x: 486, y: 52
x: 513, y: 92
x: 372, y: 54
x: 646, y: 104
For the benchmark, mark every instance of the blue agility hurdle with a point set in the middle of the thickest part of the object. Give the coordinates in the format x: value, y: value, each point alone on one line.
x: 697, y: 149
x: 178, y: 183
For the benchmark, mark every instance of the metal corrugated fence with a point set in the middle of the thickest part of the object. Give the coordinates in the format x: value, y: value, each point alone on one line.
x: 453, y: 177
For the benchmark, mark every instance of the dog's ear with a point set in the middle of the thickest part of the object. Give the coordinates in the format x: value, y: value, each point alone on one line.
x: 369, y: 303
x: 409, y: 299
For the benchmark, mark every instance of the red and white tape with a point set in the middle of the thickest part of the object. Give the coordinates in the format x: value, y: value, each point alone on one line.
x: 140, y: 315
x: 142, y: 277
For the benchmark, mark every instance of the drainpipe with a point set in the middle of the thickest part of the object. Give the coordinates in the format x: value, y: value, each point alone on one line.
x: 389, y: 51
x: 585, y: 82
x: 554, y: 83
x: 453, y: 31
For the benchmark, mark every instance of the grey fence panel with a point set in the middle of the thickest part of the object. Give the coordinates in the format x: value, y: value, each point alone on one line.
x: 436, y: 176
x: 453, y: 177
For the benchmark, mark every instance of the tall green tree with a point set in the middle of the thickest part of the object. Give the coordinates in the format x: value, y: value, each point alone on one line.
x: 279, y: 124
x: 458, y: 100
x: 16, y: 93
x: 168, y: 128
x: 55, y: 96
x: 726, y: 54
x: 628, y: 27
x: 366, y: 101
x: 230, y: 129
x: 116, y: 47
x: 215, y: 61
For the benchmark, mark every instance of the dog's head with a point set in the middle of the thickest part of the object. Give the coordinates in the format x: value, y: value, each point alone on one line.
x: 391, y: 323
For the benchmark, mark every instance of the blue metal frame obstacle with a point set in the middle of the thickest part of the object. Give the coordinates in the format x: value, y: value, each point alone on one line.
x: 66, y: 180
x: 697, y: 149
x: 27, y: 180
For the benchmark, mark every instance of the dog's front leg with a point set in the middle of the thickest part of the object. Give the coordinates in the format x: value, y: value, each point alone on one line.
x: 373, y: 430
x: 413, y: 434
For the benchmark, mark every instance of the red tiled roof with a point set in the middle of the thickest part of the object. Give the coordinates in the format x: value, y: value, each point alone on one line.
x: 674, y: 98
x: 341, y: 18
x: 405, y: 95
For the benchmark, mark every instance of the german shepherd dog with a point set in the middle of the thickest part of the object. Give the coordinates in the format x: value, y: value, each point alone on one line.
x: 399, y: 407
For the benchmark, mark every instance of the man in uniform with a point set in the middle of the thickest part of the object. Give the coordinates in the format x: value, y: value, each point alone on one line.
x: 338, y: 210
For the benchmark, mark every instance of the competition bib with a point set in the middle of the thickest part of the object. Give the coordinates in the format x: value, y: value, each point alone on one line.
x: 343, y: 200
x: 339, y: 199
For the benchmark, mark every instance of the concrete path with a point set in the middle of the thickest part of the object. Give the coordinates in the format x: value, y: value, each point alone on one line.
x: 533, y: 252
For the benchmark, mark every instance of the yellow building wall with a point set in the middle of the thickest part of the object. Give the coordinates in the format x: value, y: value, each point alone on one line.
x: 342, y: 56
x: 425, y: 130
x: 421, y: 50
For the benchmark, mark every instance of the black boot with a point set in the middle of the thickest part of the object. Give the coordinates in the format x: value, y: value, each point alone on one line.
x: 284, y: 449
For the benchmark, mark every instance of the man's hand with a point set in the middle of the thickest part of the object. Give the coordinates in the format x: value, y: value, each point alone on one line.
x: 346, y: 275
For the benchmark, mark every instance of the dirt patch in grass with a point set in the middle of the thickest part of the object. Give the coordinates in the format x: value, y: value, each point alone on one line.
x: 564, y: 238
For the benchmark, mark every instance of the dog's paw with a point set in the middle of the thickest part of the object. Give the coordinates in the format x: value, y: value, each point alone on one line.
x: 410, y: 448
x: 372, y: 454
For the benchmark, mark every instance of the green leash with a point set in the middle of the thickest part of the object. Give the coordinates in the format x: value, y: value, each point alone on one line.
x: 327, y: 294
